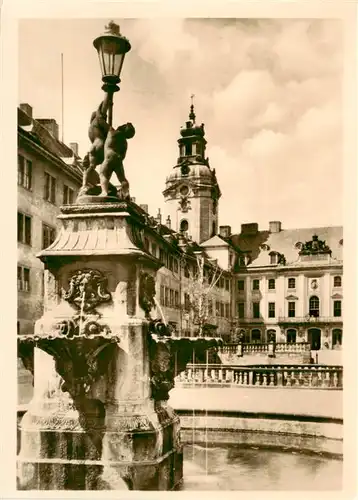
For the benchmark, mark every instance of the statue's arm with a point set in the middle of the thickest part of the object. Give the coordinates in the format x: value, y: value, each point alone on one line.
x: 104, y: 106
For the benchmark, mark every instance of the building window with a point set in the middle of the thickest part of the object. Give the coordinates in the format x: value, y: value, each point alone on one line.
x: 291, y: 309
x: 176, y: 298
x: 337, y: 308
x: 175, y: 265
x: 68, y: 195
x: 337, y: 281
x: 184, y: 226
x: 256, y: 336
x: 166, y: 297
x: 154, y: 249
x: 271, y: 284
x: 227, y: 310
x: 48, y: 235
x: 171, y: 298
x: 227, y: 285
x: 291, y: 336
x: 23, y: 279
x: 24, y: 172
x: 337, y: 337
x: 256, y: 284
x: 186, y: 301
x: 210, y: 307
x: 241, y: 285
x: 188, y: 149
x: 50, y: 188
x: 241, y: 309
x: 256, y: 309
x: 291, y: 282
x: 23, y: 228
x: 314, y: 306
x: 162, y: 256
x: 273, y: 258
x: 271, y: 309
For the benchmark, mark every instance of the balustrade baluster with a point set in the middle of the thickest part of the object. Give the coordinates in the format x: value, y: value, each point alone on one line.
x: 335, y: 379
x: 257, y: 378
x: 264, y: 378
x: 272, y: 379
x: 326, y: 379
x: 279, y: 380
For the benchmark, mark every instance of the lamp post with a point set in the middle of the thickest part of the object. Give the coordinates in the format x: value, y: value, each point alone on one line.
x: 112, y: 48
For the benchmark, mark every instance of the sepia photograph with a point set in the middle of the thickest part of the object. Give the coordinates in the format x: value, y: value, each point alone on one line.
x: 180, y: 243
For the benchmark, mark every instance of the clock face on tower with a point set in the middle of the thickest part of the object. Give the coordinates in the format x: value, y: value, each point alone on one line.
x: 184, y: 190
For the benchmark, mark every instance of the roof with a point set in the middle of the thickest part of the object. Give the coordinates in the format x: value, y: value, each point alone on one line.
x: 215, y: 241
x: 284, y: 242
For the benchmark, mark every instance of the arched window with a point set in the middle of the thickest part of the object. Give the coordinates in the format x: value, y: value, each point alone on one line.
x: 184, y: 226
x: 291, y: 336
x: 337, y: 337
x: 255, y: 336
x: 271, y: 335
x: 314, y: 306
x: 337, y: 281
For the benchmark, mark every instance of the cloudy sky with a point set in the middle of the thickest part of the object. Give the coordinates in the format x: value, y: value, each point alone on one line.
x: 269, y: 93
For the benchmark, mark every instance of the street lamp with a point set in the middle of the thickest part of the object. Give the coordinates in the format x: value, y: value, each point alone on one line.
x: 111, y: 47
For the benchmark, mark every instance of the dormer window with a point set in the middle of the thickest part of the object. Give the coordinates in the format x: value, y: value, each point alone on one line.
x: 188, y: 149
x: 274, y: 258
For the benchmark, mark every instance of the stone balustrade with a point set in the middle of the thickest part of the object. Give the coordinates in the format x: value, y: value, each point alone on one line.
x: 292, y: 347
x: 290, y: 376
x: 279, y: 347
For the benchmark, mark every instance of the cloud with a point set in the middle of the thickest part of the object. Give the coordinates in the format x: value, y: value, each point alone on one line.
x: 269, y: 92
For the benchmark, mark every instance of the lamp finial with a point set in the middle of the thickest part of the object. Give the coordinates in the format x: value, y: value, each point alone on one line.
x: 112, y: 28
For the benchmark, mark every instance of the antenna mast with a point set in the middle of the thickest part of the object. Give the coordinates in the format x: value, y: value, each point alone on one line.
x: 62, y: 99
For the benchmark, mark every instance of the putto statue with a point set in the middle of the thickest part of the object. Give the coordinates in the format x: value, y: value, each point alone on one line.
x: 105, y: 157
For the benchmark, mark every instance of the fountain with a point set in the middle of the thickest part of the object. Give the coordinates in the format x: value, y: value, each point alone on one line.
x: 103, y: 369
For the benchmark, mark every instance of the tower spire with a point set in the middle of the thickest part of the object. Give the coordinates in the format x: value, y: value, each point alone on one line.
x: 192, y: 114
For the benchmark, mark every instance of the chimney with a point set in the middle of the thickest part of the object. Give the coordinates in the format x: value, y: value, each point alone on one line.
x: 50, y: 125
x: 251, y: 228
x: 159, y: 217
x: 274, y: 226
x: 26, y: 108
x: 225, y: 231
x: 144, y: 207
x: 168, y: 222
x: 74, y: 147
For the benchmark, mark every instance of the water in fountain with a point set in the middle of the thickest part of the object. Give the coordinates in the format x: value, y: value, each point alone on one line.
x: 160, y: 311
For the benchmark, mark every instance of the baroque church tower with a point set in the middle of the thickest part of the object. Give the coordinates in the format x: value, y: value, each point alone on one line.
x: 192, y: 192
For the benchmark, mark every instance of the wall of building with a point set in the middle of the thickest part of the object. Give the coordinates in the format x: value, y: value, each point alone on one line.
x: 31, y: 202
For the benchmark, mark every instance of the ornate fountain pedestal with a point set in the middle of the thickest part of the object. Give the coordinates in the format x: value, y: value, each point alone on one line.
x: 99, y: 418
